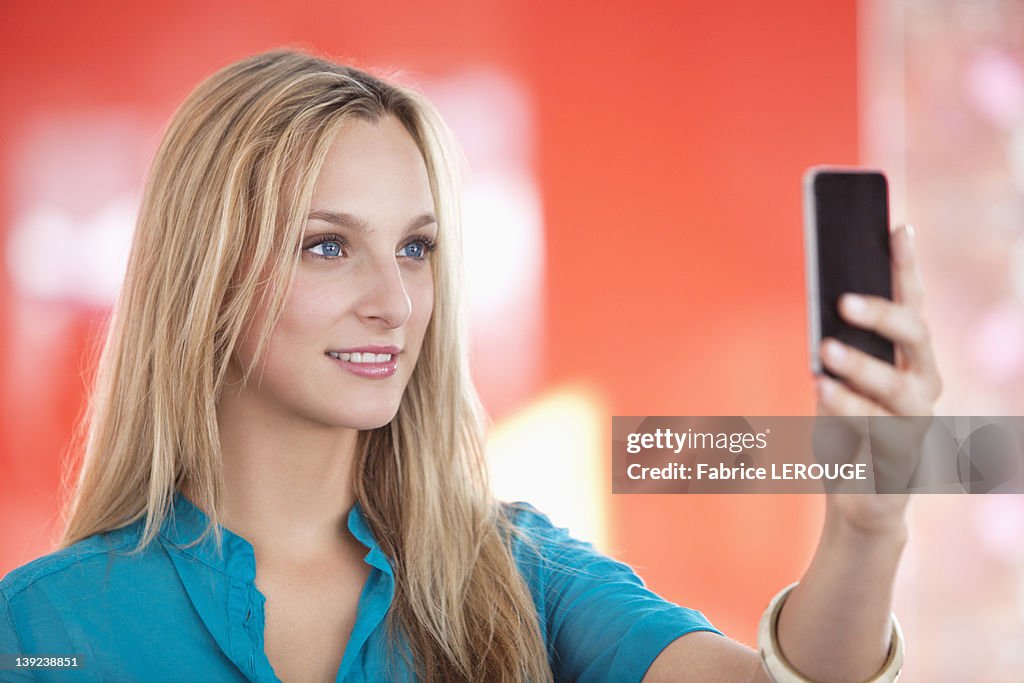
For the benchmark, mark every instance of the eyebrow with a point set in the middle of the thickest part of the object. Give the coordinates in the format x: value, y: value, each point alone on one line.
x: 347, y: 220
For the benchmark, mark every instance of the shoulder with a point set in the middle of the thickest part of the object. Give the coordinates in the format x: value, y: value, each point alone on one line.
x: 600, y: 620
x: 530, y: 524
x: 96, y: 586
x: 126, y: 610
x: 526, y: 518
x: 69, y: 564
x: 558, y: 567
x: 44, y: 603
x: 538, y: 540
x: 533, y: 537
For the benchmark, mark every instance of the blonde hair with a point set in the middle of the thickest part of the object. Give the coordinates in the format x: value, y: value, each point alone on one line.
x: 221, y: 219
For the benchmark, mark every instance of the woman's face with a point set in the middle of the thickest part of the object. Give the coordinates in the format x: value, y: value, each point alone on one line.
x: 351, y: 329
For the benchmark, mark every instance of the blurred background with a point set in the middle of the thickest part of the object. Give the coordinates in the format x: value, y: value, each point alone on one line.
x: 634, y: 237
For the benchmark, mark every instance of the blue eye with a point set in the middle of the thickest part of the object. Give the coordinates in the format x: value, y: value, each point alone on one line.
x: 332, y: 247
x: 326, y: 249
x: 413, y: 249
x: 417, y: 249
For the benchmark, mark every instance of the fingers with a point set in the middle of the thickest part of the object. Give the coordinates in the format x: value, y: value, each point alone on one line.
x: 897, y: 322
x: 901, y: 323
x: 834, y: 398
x: 874, y: 378
x: 869, y: 386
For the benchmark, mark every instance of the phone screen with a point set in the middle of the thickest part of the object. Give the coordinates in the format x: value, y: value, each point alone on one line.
x: 850, y: 223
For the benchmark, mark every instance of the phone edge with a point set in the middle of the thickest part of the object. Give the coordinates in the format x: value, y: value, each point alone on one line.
x: 811, y: 267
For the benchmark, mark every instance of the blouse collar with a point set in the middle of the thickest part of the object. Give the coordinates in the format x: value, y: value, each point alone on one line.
x: 187, y: 522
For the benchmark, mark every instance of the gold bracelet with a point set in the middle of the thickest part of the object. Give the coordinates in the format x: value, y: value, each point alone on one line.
x: 781, y: 671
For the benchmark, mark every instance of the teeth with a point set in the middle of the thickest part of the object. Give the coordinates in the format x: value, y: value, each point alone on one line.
x: 361, y: 357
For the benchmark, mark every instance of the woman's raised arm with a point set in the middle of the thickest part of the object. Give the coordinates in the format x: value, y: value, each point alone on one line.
x: 835, y: 624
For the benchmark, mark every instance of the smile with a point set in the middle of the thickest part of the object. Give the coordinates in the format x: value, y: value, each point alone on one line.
x: 361, y: 357
x: 365, y: 364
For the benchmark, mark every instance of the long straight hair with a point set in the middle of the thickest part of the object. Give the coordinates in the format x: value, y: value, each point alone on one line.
x: 219, y: 227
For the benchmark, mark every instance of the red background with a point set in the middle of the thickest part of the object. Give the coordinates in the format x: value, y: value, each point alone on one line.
x: 671, y: 142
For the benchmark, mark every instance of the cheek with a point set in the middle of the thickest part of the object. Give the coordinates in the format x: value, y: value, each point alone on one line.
x: 422, y: 299
x: 300, y: 327
x: 307, y: 315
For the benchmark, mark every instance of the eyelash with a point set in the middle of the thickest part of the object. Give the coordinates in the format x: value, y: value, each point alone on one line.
x: 429, y: 246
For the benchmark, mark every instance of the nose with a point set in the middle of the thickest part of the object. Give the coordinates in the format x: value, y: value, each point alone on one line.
x: 384, y: 297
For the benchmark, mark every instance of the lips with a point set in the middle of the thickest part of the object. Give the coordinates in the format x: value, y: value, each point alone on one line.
x: 366, y: 354
x: 372, y: 362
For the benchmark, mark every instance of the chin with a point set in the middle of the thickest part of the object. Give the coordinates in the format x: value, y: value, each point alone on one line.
x: 365, y: 420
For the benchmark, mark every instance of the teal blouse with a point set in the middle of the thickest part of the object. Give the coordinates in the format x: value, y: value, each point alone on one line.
x: 173, y: 613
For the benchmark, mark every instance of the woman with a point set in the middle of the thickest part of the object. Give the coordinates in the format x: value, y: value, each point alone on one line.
x: 283, y: 475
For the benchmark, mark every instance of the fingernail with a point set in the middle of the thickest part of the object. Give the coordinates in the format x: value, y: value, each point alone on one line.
x: 853, y: 304
x: 835, y: 351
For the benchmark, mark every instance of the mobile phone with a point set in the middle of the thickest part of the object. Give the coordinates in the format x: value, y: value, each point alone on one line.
x: 846, y: 248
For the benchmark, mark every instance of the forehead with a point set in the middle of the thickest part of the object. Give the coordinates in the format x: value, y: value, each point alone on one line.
x: 376, y: 171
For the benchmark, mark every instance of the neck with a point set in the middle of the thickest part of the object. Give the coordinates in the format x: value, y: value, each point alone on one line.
x: 288, y: 482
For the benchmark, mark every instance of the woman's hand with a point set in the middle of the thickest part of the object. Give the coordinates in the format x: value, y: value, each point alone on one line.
x: 835, y: 624
x: 874, y: 388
